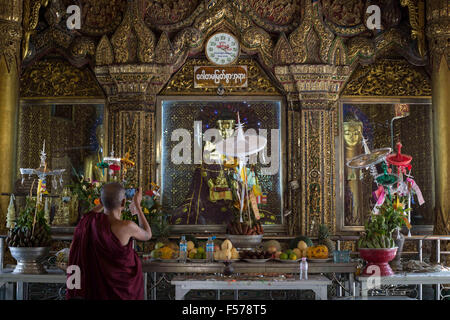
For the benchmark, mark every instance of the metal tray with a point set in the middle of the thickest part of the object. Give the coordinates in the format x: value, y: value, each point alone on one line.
x: 319, y: 260
x: 256, y: 260
x: 288, y: 261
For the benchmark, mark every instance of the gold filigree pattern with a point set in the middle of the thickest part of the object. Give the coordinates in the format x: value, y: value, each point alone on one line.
x: 133, y: 41
x: 360, y: 47
x: 10, y: 44
x: 299, y: 39
x: 30, y: 20
x: 343, y: 12
x: 99, y: 17
x: 82, y: 46
x: 256, y: 39
x: 58, y: 78
x: 163, y: 12
x: 282, y: 53
x: 389, y: 78
x: 182, y: 83
x: 135, y: 135
x: 282, y: 12
x: 104, y: 54
x: 132, y: 82
x: 416, y: 11
x: 164, y: 50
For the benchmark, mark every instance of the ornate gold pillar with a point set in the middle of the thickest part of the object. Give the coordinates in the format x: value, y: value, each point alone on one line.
x: 438, y: 33
x: 130, y: 117
x: 126, y: 69
x: 11, y: 34
x: 314, y: 91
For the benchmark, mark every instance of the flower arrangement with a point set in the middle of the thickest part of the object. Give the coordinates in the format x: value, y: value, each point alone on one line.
x: 89, y: 195
x: 152, y: 210
x: 88, y: 192
x: 380, y: 227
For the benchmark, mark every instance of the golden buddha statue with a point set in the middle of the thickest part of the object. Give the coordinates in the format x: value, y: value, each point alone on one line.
x: 91, y: 171
x: 353, y: 135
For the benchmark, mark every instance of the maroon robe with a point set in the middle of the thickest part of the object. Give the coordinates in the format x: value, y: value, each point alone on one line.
x: 109, y: 270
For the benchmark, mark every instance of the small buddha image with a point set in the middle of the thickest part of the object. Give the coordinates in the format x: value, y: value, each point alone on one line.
x: 353, y: 135
x: 91, y: 171
x: 226, y: 128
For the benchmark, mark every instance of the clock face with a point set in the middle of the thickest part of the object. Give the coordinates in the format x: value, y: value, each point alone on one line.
x: 222, y: 48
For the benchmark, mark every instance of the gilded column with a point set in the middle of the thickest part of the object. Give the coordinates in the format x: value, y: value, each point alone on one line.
x: 11, y: 33
x: 438, y: 33
x: 314, y: 91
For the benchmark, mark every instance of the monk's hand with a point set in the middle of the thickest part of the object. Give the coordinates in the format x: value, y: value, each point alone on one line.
x: 137, y: 199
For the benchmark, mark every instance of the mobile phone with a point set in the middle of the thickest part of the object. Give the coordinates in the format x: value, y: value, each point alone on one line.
x: 129, y: 193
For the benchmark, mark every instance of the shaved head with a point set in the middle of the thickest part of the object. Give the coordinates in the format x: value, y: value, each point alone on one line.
x: 112, y: 195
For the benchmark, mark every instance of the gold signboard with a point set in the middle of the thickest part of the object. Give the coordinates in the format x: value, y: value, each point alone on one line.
x: 214, y: 76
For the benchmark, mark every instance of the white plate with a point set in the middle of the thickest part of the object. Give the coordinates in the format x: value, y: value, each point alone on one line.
x: 256, y: 260
x: 320, y: 260
x: 197, y: 260
x: 222, y: 261
x: 169, y: 260
x: 288, y: 261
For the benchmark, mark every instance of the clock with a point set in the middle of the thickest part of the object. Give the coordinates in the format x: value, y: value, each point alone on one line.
x: 222, y: 48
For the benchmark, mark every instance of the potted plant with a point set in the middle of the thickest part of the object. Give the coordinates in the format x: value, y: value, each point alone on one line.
x: 377, y: 244
x: 29, y: 239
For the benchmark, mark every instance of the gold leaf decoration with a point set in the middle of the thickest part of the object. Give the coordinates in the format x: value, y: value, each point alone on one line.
x: 104, y: 54
x: 389, y: 78
x: 133, y: 41
x: 58, y: 78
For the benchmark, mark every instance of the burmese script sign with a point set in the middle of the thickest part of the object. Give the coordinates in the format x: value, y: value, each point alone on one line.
x: 214, y: 76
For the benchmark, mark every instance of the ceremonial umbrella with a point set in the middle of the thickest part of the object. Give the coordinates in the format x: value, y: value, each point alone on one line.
x: 241, y: 146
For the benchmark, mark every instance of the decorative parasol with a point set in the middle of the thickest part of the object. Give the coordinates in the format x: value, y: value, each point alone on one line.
x: 43, y: 172
x: 241, y: 146
x: 398, y: 159
x: 368, y: 158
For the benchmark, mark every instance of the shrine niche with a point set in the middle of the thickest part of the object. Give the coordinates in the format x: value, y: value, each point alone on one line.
x: 303, y: 52
x: 58, y: 99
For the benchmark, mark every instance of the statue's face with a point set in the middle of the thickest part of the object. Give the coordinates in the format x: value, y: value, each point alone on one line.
x: 353, y: 133
x: 226, y: 127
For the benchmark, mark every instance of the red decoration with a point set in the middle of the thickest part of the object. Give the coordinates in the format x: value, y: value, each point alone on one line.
x: 378, y: 258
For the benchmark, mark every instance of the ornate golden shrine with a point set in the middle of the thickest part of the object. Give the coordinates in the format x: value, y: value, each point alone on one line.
x: 310, y: 53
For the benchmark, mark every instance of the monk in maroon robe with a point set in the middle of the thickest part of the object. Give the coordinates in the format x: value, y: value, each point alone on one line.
x: 102, y: 249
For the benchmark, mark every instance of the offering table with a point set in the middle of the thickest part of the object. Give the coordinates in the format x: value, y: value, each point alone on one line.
x: 245, y: 268
x: 316, y: 283
x: 433, y: 278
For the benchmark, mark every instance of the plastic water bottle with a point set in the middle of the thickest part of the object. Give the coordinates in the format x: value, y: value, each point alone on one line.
x: 183, y: 249
x: 210, y: 249
x: 303, y: 269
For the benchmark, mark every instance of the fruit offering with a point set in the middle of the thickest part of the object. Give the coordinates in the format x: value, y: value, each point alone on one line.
x: 243, y: 228
x: 272, y: 246
x: 25, y: 237
x: 324, y: 238
x: 290, y: 254
x: 256, y: 255
x: 164, y: 252
x: 31, y: 229
x: 226, y: 251
x: 317, y: 252
x: 195, y: 253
